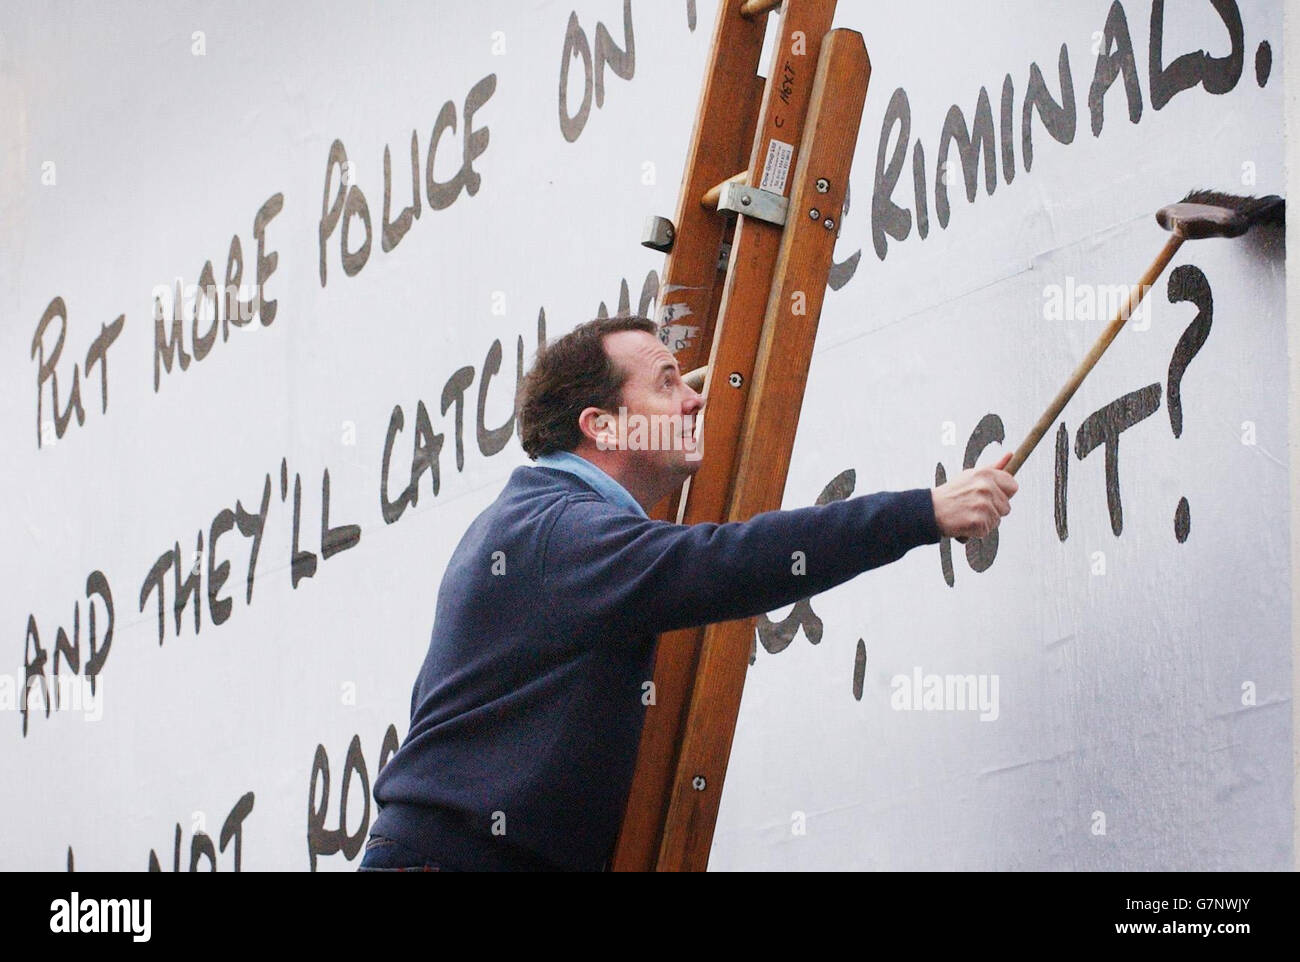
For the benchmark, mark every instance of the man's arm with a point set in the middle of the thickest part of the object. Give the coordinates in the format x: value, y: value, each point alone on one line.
x: 634, y: 575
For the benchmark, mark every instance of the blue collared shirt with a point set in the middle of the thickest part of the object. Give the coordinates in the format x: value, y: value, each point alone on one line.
x: 605, y: 486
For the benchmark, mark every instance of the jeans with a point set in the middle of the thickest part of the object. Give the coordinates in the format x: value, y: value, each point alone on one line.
x: 386, y: 855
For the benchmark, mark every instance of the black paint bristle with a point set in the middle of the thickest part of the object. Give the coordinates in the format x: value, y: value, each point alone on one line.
x: 1251, y: 210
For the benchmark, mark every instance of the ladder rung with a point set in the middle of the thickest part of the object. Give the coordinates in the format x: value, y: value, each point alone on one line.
x: 695, y: 379
x: 756, y: 8
x: 712, y: 195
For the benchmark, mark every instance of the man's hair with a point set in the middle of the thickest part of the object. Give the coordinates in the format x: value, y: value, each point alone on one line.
x: 570, y: 374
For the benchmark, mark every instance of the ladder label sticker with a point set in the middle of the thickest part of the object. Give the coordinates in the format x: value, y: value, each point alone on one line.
x: 776, y: 168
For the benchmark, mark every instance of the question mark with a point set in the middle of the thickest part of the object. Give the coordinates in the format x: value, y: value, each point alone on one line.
x: 1186, y: 283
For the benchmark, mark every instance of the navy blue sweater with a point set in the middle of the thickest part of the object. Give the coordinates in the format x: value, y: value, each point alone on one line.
x: 527, y: 713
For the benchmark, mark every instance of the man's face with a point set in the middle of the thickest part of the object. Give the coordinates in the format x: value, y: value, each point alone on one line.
x: 656, y: 432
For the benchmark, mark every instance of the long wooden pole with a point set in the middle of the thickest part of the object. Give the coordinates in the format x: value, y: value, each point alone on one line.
x: 1131, y: 300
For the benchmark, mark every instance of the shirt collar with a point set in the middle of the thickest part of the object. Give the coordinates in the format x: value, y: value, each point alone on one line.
x: 607, y: 487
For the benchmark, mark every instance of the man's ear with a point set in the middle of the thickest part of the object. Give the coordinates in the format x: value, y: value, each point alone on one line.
x: 600, y: 427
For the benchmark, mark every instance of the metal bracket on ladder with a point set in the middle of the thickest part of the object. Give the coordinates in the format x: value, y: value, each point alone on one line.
x: 753, y: 202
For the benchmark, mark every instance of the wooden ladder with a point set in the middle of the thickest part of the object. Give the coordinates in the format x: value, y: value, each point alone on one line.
x: 738, y: 305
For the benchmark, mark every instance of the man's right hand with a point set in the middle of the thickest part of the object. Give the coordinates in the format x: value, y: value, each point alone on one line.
x: 972, y: 503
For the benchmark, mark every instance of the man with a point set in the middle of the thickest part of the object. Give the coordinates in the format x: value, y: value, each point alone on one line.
x: 527, y: 713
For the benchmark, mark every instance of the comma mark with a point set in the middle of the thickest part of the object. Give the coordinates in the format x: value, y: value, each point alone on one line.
x: 859, y: 669
x: 1263, y: 62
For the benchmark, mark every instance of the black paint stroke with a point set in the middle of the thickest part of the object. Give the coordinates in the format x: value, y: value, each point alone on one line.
x: 1187, y: 283
x: 982, y: 552
x: 972, y: 143
x: 888, y: 218
x: 1217, y: 74
x: 775, y: 637
x: 1058, y: 119
x: 607, y: 53
x: 1114, y: 59
x: 1060, y: 483
x: 859, y: 668
x: 1103, y: 427
x: 945, y: 542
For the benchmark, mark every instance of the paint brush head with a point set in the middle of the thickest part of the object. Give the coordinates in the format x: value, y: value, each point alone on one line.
x: 1210, y: 213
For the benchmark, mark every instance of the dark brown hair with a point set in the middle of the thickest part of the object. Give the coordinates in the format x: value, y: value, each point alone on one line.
x: 570, y: 374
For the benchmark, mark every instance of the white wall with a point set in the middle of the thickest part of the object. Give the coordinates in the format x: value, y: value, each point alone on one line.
x: 1151, y: 701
